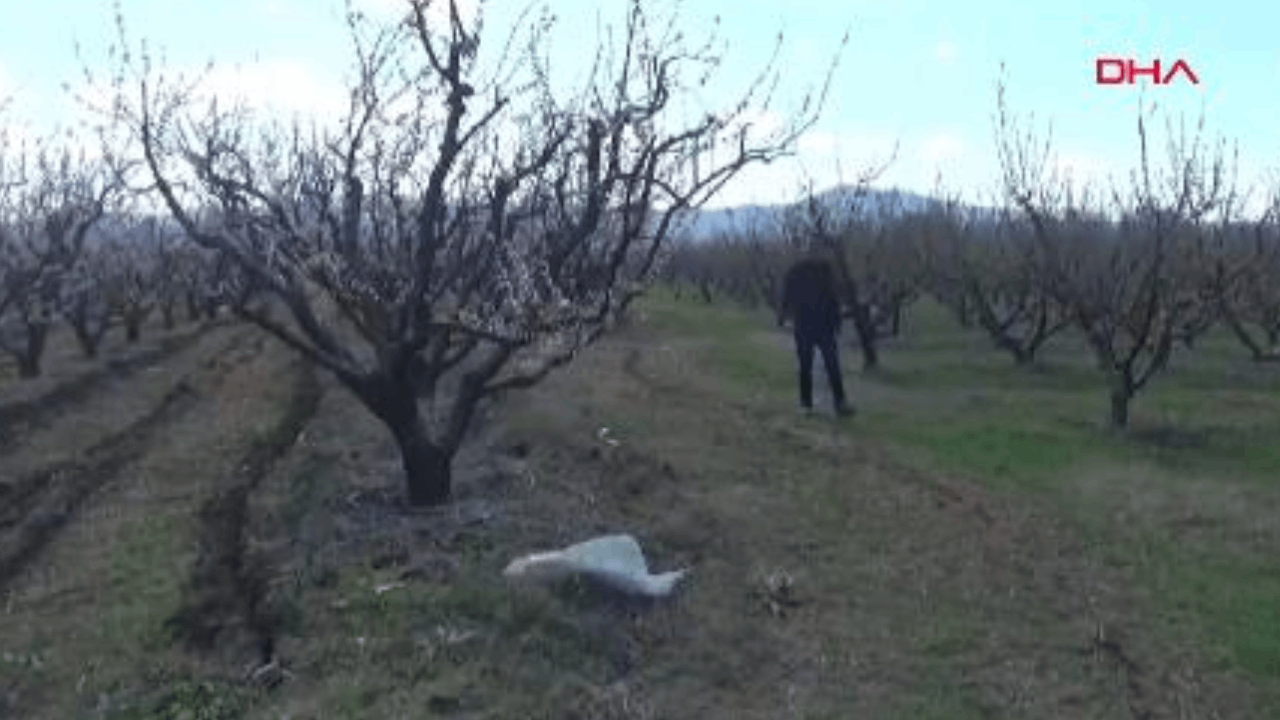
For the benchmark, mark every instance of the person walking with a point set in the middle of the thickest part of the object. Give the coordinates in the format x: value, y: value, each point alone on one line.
x: 810, y: 299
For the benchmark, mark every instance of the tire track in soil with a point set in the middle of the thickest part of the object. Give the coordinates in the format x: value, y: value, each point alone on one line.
x: 95, y: 600
x: 41, y: 503
x: 36, y: 413
x: 33, y: 519
x: 62, y: 437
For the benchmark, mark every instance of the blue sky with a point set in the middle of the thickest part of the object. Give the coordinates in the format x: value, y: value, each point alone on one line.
x: 916, y: 72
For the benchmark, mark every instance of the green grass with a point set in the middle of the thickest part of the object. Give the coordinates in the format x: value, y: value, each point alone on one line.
x: 190, y: 699
x: 147, y: 579
x: 944, y: 401
x: 947, y: 701
x: 720, y: 331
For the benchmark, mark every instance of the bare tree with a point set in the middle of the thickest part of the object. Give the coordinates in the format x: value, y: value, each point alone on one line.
x: 745, y: 264
x: 1241, y: 263
x: 1125, y: 275
x: 165, y: 241
x: 84, y: 303
x: 131, y: 269
x: 765, y: 263
x: 891, y: 270
x: 694, y: 265
x: 51, y: 200
x: 192, y: 274
x: 467, y: 221
x: 989, y: 271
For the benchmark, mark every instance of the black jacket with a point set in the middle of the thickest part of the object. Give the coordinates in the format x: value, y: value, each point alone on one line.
x: 809, y: 295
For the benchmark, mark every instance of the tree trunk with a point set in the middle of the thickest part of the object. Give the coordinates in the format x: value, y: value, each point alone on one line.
x: 962, y: 312
x: 193, y: 306
x: 1120, y: 409
x: 1023, y: 354
x: 28, y: 366
x: 87, y: 340
x: 428, y: 468
x: 1122, y: 392
x: 427, y: 465
x: 29, y: 358
x: 866, y: 330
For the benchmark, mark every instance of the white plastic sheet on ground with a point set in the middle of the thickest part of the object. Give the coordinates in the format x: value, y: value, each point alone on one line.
x: 615, y: 560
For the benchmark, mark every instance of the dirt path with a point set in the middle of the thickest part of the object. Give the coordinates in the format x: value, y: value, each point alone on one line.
x: 84, y: 619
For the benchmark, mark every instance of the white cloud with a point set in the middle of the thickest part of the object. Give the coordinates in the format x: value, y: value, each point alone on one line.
x: 941, y: 147
x: 280, y: 10
x: 945, y: 51
x: 7, y: 86
x: 819, y: 142
x: 854, y: 151
x: 824, y: 158
x: 758, y: 185
x: 286, y: 86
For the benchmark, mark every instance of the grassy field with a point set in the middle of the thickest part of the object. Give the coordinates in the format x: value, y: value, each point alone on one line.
x: 1188, y: 505
x: 972, y: 545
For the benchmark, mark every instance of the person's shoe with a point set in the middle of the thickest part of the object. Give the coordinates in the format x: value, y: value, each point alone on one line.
x: 844, y: 410
x: 805, y: 410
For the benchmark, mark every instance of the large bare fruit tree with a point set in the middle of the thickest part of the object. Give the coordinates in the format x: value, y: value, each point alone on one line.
x: 467, y: 219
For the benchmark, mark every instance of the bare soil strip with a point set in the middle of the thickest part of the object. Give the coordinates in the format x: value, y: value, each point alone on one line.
x: 86, y: 616
x: 44, y: 502
x: 36, y: 505
x: 23, y: 416
x: 116, y: 401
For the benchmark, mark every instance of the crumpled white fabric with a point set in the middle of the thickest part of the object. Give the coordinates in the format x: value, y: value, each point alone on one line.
x: 615, y: 560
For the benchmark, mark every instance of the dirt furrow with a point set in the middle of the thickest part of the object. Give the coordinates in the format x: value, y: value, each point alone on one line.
x: 91, y: 608
x: 116, y: 401
x: 45, y: 502
x: 228, y: 585
x: 36, y: 505
x: 23, y: 416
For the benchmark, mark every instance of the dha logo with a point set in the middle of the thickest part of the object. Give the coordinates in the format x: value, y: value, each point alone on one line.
x: 1123, y: 71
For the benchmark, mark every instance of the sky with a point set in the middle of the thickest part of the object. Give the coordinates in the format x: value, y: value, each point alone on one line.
x: 916, y: 74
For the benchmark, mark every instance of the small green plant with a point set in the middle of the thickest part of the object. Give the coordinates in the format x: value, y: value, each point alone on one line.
x: 190, y: 699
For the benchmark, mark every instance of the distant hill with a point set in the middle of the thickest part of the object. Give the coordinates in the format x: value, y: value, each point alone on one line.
x: 877, y: 204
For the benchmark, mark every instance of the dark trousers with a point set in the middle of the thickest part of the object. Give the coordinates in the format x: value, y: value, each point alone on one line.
x: 806, y: 341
